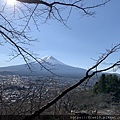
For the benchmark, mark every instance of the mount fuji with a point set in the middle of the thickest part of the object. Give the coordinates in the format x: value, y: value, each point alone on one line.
x: 48, y: 62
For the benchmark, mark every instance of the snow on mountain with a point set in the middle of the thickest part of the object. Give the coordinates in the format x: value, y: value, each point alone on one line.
x: 50, y: 63
x: 51, y: 60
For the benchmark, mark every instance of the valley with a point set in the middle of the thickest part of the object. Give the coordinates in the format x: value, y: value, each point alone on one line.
x: 24, y: 91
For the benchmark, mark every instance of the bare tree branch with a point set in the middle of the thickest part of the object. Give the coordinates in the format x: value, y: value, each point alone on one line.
x: 17, y: 34
x: 55, y: 6
x: 87, y: 76
x: 22, y: 51
x: 103, y: 57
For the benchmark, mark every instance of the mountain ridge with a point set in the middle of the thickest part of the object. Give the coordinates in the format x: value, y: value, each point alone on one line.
x: 50, y: 63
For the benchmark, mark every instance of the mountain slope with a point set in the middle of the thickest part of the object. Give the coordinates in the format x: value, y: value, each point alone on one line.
x: 50, y: 63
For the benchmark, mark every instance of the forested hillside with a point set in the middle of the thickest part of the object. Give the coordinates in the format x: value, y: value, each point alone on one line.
x: 109, y: 84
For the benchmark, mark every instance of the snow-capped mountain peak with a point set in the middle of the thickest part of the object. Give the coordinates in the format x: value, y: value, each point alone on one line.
x: 51, y: 60
x: 46, y: 58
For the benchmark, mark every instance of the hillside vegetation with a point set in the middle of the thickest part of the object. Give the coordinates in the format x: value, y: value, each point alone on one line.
x: 109, y: 84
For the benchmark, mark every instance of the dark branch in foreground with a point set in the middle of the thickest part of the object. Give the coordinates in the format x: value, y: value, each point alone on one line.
x: 90, y: 73
x: 22, y: 52
x: 52, y: 9
x: 56, y: 9
x: 75, y: 4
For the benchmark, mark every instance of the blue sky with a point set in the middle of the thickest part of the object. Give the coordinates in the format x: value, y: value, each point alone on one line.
x: 87, y: 38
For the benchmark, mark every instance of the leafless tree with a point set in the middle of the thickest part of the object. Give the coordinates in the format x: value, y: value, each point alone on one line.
x: 16, y: 33
x: 15, y: 28
x: 90, y: 73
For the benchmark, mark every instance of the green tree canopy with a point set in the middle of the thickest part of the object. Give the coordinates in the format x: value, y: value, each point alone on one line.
x: 108, y: 83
